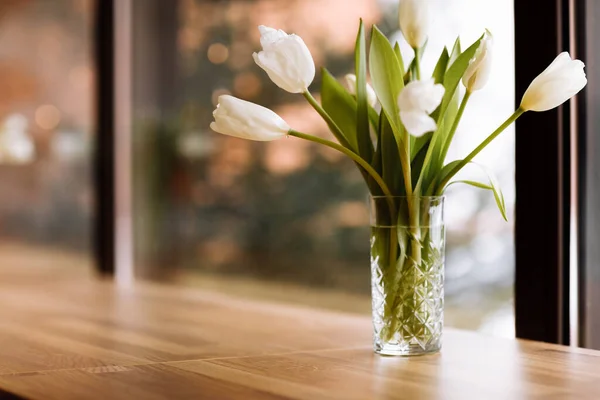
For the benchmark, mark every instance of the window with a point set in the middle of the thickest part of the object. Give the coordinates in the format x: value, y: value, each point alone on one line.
x: 286, y: 219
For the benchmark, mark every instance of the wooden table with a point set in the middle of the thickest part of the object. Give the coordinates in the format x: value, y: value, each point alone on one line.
x: 64, y: 337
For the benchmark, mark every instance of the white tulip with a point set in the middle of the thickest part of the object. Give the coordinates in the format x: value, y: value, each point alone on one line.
x: 246, y: 120
x: 351, y: 86
x: 416, y: 101
x: 414, y: 19
x: 563, y: 79
x: 286, y: 59
x: 480, y: 66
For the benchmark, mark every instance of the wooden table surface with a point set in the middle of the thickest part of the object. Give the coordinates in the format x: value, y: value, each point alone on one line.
x: 67, y: 337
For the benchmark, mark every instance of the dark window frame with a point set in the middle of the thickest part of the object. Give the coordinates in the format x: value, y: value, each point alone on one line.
x: 542, y: 182
x: 104, y: 160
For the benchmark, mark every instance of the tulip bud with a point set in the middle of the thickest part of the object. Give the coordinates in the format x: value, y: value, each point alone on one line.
x: 414, y: 21
x: 480, y: 66
x: 351, y: 86
x: 416, y: 101
x: 563, y: 79
x: 246, y: 120
x: 286, y: 59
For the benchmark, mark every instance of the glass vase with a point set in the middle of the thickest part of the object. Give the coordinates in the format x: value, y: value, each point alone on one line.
x: 407, y: 274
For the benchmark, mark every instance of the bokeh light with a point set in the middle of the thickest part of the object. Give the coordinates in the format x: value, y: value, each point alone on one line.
x: 247, y: 85
x: 47, y: 116
x: 217, y: 53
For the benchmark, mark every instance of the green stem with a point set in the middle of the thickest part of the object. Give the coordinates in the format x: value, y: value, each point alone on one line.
x: 337, y: 132
x: 417, y: 63
x: 483, y: 144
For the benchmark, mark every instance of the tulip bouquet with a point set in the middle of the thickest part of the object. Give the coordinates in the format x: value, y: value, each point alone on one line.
x: 397, y: 131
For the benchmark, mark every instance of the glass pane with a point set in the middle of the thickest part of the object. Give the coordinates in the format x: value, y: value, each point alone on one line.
x: 287, y: 220
x: 46, y: 125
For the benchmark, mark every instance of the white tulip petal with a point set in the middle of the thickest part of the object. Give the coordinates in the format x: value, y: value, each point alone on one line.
x: 246, y: 120
x: 417, y: 100
x: 563, y: 79
x: 478, y: 71
x: 417, y: 123
x: 286, y: 59
x: 561, y: 60
x: 268, y: 36
x: 414, y: 17
x: 421, y: 95
x: 351, y: 86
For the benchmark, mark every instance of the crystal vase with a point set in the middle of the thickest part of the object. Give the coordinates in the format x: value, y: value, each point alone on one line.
x: 407, y: 274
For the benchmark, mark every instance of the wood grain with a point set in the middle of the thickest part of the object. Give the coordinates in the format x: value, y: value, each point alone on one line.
x: 66, y: 337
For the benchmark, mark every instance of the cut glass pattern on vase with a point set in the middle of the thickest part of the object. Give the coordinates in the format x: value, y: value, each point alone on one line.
x: 408, y: 290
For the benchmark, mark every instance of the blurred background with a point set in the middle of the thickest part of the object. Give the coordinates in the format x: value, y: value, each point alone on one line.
x: 283, y: 220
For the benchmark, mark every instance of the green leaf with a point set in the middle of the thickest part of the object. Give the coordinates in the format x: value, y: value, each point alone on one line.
x: 440, y: 68
x: 377, y: 165
x: 471, y: 183
x: 456, y: 50
x: 447, y: 111
x: 493, y: 186
x: 426, y: 171
x: 340, y: 106
x: 417, y: 163
x: 390, y: 157
x: 388, y: 82
x: 374, y: 119
x: 434, y: 160
x: 446, y: 125
x: 400, y: 59
x: 455, y: 74
x: 386, y: 77
x: 365, y: 145
x: 498, y: 196
x: 419, y: 143
x: 432, y: 187
x: 446, y: 114
x: 439, y: 150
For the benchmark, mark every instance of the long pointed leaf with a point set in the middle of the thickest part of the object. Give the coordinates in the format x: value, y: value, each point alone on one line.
x: 471, y: 183
x: 417, y: 164
x: 363, y: 135
x: 498, y: 196
x: 439, y: 71
x: 419, y: 143
x: 440, y: 148
x: 400, y: 58
x: 456, y: 50
x: 453, y: 77
x: 447, y: 123
x: 340, y: 106
x: 433, y: 186
x: 377, y: 163
x: 386, y: 77
x: 391, y: 164
x: 493, y: 186
x: 374, y: 119
x: 446, y: 114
